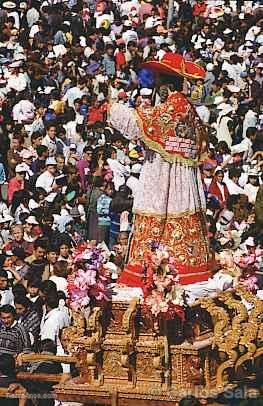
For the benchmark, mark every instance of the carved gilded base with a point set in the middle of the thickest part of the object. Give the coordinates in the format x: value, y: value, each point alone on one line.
x: 125, y: 355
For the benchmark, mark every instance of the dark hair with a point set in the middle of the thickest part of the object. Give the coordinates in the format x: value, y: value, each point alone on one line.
x: 8, y: 309
x: 61, y: 269
x: 48, y: 345
x: 35, y: 135
x: 50, y: 124
x: 41, y: 149
x: 40, y: 243
x: 52, y: 300
x: 3, y: 274
x: 234, y: 173
x: 48, y: 287
x: 250, y: 131
x: 23, y: 300
x: 219, y: 171
x: 189, y: 401
x: 34, y: 283
x: 19, y: 290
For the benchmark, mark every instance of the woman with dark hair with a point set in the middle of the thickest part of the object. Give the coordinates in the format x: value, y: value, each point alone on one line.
x: 91, y: 207
x: 218, y: 188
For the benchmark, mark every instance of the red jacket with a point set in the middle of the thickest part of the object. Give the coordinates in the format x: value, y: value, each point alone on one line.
x: 214, y: 190
x: 199, y: 9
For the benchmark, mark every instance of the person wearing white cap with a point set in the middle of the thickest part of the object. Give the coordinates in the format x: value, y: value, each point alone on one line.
x: 233, y: 68
x: 209, y: 78
x: 252, y: 187
x: 133, y: 180
x: 129, y: 34
x: 18, y: 182
x: 29, y: 234
x: 46, y: 180
x: 17, y: 80
x: 225, y: 126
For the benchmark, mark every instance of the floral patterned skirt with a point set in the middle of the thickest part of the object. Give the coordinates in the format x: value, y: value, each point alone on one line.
x: 169, y: 208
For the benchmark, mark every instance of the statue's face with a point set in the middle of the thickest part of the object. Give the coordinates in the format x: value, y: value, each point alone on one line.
x: 163, y: 93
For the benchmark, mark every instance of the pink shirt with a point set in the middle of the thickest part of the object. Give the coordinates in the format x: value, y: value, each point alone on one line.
x: 14, y: 185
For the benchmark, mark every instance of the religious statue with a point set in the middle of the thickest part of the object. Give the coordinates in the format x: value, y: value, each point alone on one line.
x: 169, y: 207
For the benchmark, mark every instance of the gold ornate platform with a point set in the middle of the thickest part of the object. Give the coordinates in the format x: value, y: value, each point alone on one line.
x: 123, y: 354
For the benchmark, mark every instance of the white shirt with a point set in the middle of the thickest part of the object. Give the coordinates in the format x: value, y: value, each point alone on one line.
x: 72, y: 94
x: 251, y: 192
x: 7, y: 297
x: 50, y: 144
x: 61, y: 283
x: 23, y: 111
x: 45, y: 181
x: 133, y: 184
x: 119, y: 172
x: 51, y: 325
x: 130, y: 35
x: 17, y: 82
x: 233, y: 188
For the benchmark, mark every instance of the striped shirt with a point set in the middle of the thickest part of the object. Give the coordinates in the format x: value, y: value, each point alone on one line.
x: 14, y: 340
x: 31, y: 323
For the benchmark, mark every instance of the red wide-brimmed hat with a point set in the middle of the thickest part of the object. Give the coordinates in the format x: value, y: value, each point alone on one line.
x: 174, y: 64
x: 194, y: 71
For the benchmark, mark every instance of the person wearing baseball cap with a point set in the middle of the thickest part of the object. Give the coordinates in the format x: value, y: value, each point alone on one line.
x: 17, y: 182
x: 46, y: 180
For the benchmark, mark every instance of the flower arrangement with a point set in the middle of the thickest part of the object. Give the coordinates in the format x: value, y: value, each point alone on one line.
x: 163, y: 295
x: 89, y: 278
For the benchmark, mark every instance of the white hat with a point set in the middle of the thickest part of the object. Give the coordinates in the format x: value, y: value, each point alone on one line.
x: 260, y: 65
x: 9, y: 4
x: 59, y: 50
x: 222, y: 106
x: 227, y: 10
x: 73, y: 146
x: 7, y: 218
x: 227, y: 109
x: 49, y: 89
x: 241, y: 16
x: 233, y: 89
x: 136, y: 168
x: 209, y: 42
x: 19, y: 57
x: 15, y: 64
x: 127, y: 23
x: 26, y: 154
x: 21, y: 168
x: 51, y: 55
x: 23, y: 5
x: 218, y: 100
x: 250, y: 242
x: 82, y: 42
x: 51, y: 161
x: 253, y: 172
x: 227, y: 31
x: 66, y: 23
x: 239, y: 148
x: 145, y: 91
x: 210, y: 67
x: 31, y: 220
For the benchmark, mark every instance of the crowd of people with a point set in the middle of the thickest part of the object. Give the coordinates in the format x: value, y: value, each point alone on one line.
x: 66, y: 176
